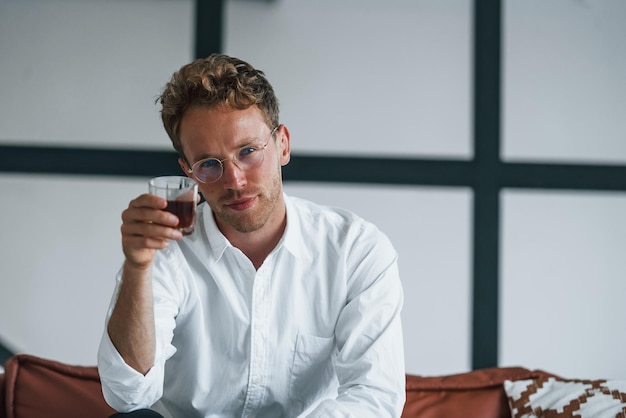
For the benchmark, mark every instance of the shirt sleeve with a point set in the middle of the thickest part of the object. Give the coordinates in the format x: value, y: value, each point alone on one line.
x: 123, y: 388
x: 370, y: 358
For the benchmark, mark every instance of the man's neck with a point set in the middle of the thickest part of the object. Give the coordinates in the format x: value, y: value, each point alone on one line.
x: 257, y: 245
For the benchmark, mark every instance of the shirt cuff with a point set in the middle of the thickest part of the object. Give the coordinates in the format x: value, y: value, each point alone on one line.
x: 123, y: 387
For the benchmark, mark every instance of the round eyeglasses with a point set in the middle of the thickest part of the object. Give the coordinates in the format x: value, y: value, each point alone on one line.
x: 210, y: 170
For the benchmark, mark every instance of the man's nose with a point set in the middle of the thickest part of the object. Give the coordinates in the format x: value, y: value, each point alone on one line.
x: 233, y: 177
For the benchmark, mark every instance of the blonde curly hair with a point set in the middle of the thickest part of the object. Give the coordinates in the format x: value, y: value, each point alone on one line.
x: 216, y: 81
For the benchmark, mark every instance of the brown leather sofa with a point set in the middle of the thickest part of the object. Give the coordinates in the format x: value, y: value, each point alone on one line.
x: 32, y: 387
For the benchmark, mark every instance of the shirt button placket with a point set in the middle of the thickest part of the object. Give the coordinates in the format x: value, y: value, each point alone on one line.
x: 258, y: 349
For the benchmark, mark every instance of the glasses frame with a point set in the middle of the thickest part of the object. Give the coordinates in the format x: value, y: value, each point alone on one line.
x: 234, y: 159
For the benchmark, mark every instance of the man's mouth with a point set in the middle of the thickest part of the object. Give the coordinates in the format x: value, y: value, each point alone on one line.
x: 241, y: 204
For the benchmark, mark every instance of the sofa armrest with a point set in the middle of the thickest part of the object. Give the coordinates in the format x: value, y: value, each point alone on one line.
x: 36, y: 387
x: 475, y: 394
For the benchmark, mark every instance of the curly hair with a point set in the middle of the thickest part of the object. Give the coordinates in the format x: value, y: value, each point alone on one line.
x: 215, y: 81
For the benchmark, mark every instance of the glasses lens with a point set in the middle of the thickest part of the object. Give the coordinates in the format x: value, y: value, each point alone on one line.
x: 208, y: 171
x: 250, y: 157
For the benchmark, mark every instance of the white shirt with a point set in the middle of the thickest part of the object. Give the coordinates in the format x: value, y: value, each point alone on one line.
x: 315, y: 332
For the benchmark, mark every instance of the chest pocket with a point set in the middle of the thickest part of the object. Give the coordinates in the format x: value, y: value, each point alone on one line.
x: 312, y: 370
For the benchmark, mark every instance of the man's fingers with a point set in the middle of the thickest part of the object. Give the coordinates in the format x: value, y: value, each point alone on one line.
x: 152, y: 230
x: 142, y: 243
x: 150, y: 216
x: 148, y: 201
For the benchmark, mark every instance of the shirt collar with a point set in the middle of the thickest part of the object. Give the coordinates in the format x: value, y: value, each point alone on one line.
x: 217, y: 241
x: 293, y: 238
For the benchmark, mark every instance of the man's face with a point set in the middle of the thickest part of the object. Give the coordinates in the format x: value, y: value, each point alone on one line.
x: 241, y: 200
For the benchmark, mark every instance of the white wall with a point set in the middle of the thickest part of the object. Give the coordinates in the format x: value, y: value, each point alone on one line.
x: 562, y: 253
x: 361, y: 77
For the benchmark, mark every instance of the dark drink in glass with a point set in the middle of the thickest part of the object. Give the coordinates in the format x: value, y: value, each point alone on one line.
x: 181, y: 194
x: 186, y: 213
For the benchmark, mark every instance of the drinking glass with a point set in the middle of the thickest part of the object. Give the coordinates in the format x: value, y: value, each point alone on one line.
x: 181, y: 195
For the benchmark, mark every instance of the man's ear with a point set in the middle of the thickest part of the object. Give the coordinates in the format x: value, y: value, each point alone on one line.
x: 284, y: 145
x: 186, y: 169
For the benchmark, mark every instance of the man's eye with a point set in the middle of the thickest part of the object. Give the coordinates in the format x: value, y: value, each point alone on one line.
x: 247, y: 151
x: 210, y: 163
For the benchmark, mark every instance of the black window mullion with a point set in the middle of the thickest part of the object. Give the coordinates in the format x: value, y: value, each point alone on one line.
x: 209, y: 27
x: 486, y: 135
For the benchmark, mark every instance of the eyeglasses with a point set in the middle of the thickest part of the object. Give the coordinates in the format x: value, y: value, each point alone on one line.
x: 210, y: 170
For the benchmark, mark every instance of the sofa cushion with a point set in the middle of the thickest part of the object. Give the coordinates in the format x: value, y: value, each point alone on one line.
x: 550, y: 396
x: 36, y: 387
x: 475, y: 394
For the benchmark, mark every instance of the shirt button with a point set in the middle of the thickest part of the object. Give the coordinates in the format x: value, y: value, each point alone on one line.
x: 256, y: 380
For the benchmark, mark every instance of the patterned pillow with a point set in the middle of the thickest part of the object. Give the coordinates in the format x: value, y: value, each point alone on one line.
x: 549, y: 397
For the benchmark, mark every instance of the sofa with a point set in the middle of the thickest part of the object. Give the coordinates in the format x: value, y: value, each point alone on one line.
x: 33, y: 387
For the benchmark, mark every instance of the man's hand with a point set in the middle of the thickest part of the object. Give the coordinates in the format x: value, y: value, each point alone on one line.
x: 146, y: 228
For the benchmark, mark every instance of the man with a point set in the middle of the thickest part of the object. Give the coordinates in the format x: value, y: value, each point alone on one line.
x: 274, y: 306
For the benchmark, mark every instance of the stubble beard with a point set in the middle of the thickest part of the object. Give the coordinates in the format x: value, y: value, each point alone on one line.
x: 251, y: 221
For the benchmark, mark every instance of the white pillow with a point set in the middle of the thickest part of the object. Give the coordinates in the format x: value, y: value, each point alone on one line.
x: 549, y: 397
